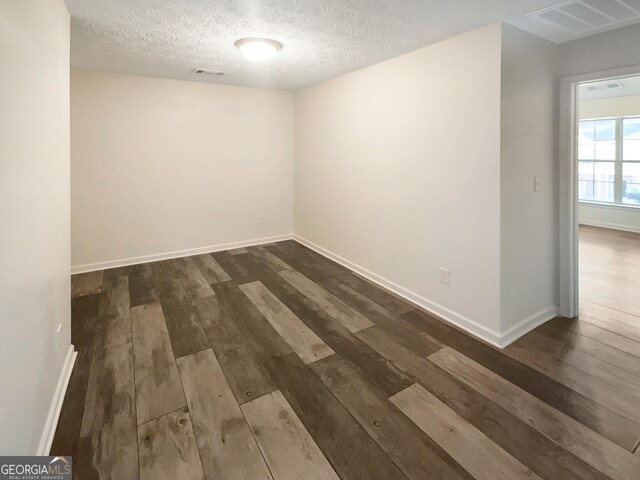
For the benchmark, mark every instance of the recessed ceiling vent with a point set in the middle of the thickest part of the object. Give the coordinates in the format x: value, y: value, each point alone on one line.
x: 594, y: 87
x: 579, y: 18
x: 204, y: 71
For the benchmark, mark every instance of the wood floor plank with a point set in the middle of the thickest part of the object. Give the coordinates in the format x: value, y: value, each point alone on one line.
x: 237, y: 251
x: 602, y: 420
x: 114, y: 317
x: 111, y: 274
x: 259, y: 271
x: 592, y: 347
x: 603, y: 393
x: 379, y: 372
x: 163, y: 270
x: 478, y: 454
x: 352, y: 452
x: 521, y: 441
x: 612, y: 324
x: 86, y: 283
x: 301, y: 338
x: 108, y: 443
x: 168, y: 450
x: 554, y: 354
x: 84, y: 320
x: 591, y: 309
x: 289, y: 450
x: 185, y: 331
x: 211, y: 269
x: 158, y: 387
x: 262, y: 337
x: 318, y: 267
x: 607, y: 337
x: 227, y: 447
x: 247, y: 378
x: 335, y: 307
x: 416, y: 454
x: 401, y: 331
x: 67, y: 435
x: 193, y: 281
x: 604, y: 455
x: 142, y: 289
x: 236, y: 270
x: 273, y: 262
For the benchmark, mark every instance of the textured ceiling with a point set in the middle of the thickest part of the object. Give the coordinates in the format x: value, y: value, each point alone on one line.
x: 322, y: 38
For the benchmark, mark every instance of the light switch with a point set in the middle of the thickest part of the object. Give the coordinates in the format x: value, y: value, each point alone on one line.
x: 537, y: 184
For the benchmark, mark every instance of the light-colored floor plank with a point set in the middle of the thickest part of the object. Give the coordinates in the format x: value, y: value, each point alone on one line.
x: 478, y: 454
x: 238, y: 251
x: 348, y: 317
x: 286, y: 445
x: 624, y: 324
x: 227, y: 447
x: 211, y: 269
x: 193, y: 281
x: 158, y: 387
x: 296, y: 333
x: 168, y: 450
x: 601, y: 453
x: 610, y: 278
x: 108, y: 440
x: 86, y: 283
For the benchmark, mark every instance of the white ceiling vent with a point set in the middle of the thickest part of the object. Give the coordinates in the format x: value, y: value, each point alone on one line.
x: 579, y: 18
x: 204, y: 71
x: 594, y: 87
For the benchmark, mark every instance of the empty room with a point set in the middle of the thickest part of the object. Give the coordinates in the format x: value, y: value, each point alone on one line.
x: 285, y: 240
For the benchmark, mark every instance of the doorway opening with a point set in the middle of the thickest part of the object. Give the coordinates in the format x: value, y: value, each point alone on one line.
x: 600, y: 203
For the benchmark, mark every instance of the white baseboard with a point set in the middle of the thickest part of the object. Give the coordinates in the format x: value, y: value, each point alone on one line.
x: 488, y: 335
x: 46, y: 439
x: 460, y: 321
x: 612, y: 226
x: 92, y: 267
x: 526, y: 325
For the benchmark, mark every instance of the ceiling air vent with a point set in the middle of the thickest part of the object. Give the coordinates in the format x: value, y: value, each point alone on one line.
x: 594, y: 87
x: 204, y: 71
x: 579, y: 18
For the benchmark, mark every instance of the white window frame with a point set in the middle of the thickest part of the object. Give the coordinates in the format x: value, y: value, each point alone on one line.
x: 619, y: 162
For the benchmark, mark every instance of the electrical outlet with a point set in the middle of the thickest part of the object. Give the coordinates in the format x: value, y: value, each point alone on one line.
x: 262, y: 219
x: 445, y: 276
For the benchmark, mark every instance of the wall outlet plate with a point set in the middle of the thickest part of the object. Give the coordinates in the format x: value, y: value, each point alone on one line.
x: 445, y: 276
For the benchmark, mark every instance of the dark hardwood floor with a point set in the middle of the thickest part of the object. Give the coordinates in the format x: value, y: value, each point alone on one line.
x: 273, y: 362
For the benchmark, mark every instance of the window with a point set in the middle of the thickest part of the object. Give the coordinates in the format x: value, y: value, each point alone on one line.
x: 609, y: 160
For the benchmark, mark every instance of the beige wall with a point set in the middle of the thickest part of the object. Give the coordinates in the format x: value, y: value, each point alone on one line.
x: 610, y: 107
x: 34, y: 214
x: 162, y: 166
x: 397, y: 170
x: 529, y: 224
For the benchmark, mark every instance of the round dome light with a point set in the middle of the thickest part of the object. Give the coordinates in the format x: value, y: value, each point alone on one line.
x: 258, y: 49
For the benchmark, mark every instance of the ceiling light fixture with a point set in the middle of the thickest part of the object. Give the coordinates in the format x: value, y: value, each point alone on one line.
x: 258, y: 49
